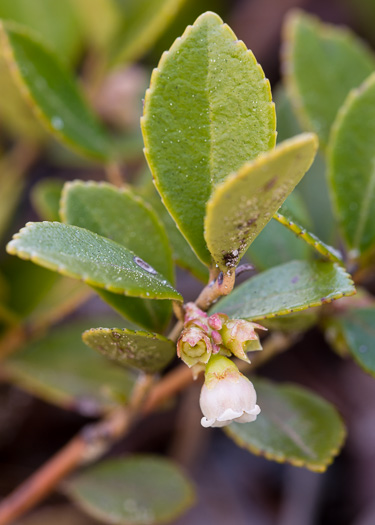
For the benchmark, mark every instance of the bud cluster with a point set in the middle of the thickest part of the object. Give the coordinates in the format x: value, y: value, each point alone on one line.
x: 205, y: 343
x: 205, y: 335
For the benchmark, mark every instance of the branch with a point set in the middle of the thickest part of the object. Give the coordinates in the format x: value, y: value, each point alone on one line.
x: 223, y: 285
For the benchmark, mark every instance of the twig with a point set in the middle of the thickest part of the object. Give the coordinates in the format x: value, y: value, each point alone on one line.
x: 114, y: 174
x: 244, y: 268
x: 223, y: 285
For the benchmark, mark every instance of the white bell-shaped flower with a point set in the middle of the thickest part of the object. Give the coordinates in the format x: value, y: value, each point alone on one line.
x: 227, y: 395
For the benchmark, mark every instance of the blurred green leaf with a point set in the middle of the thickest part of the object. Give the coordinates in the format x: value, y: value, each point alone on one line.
x: 287, y: 288
x: 207, y: 111
x: 352, y: 168
x: 322, y: 63
x: 54, y: 22
x: 84, y: 255
x: 182, y: 252
x: 12, y: 184
x: 244, y: 203
x: 313, y: 187
x: 295, y: 322
x: 45, y: 196
x: 144, y: 22
x: 123, y: 217
x: 53, y: 93
x: 100, y: 24
x: 62, y: 370
x: 140, y: 490
x: 294, y: 426
x: 357, y: 331
x: 142, y: 350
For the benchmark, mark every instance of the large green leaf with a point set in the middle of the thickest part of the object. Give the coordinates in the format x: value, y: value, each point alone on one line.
x: 208, y: 110
x: 62, y: 370
x: 244, y: 203
x: 142, y: 350
x: 182, y: 252
x: 352, y: 168
x: 322, y: 63
x: 53, y: 92
x: 294, y: 426
x: 144, y: 21
x: 55, y: 22
x: 96, y: 260
x: 357, y: 331
x: 287, y: 288
x: 125, y: 218
x: 140, y: 490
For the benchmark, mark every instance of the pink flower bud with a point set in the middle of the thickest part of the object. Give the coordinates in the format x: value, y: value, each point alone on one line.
x: 226, y: 395
x: 194, y: 346
x: 239, y: 337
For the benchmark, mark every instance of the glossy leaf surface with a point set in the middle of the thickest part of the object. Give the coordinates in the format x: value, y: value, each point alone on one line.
x: 53, y: 93
x: 244, y: 203
x: 352, y: 168
x: 62, y: 370
x: 141, y: 350
x: 294, y: 426
x: 207, y: 111
x: 317, y: 60
x: 287, y: 288
x: 140, y: 490
x: 125, y: 218
x: 84, y: 255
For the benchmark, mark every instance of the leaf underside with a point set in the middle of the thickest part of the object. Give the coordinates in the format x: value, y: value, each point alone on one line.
x: 244, y: 203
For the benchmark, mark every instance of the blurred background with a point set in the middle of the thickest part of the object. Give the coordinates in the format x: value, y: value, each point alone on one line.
x: 233, y: 485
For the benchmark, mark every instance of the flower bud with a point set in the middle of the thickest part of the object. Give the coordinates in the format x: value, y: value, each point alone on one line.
x: 194, y: 346
x: 226, y: 395
x: 240, y: 337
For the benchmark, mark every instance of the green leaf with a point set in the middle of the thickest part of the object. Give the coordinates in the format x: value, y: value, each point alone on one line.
x: 84, y: 255
x: 12, y: 182
x: 313, y: 188
x: 53, y: 92
x: 207, y: 111
x: 54, y: 22
x: 62, y: 370
x: 181, y: 250
x: 140, y: 490
x: 294, y: 426
x: 352, y: 168
x: 244, y: 203
x: 45, y: 196
x: 99, y: 25
x: 312, y: 240
x: 142, y: 350
x: 285, y: 289
x: 357, y: 328
x: 295, y: 322
x: 145, y: 21
x: 125, y: 218
x: 322, y: 63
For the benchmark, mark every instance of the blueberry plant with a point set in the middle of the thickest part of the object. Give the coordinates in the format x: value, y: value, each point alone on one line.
x: 223, y: 200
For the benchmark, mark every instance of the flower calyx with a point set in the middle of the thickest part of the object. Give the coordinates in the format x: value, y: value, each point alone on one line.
x: 239, y: 336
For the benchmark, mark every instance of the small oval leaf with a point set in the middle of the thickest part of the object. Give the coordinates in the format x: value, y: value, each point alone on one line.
x: 53, y: 93
x: 351, y: 168
x: 294, y: 426
x: 207, y: 111
x: 244, y: 203
x: 96, y: 260
x: 141, y: 350
x: 287, y: 288
x: 125, y: 218
x: 322, y: 63
x: 140, y: 490
x: 60, y: 369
